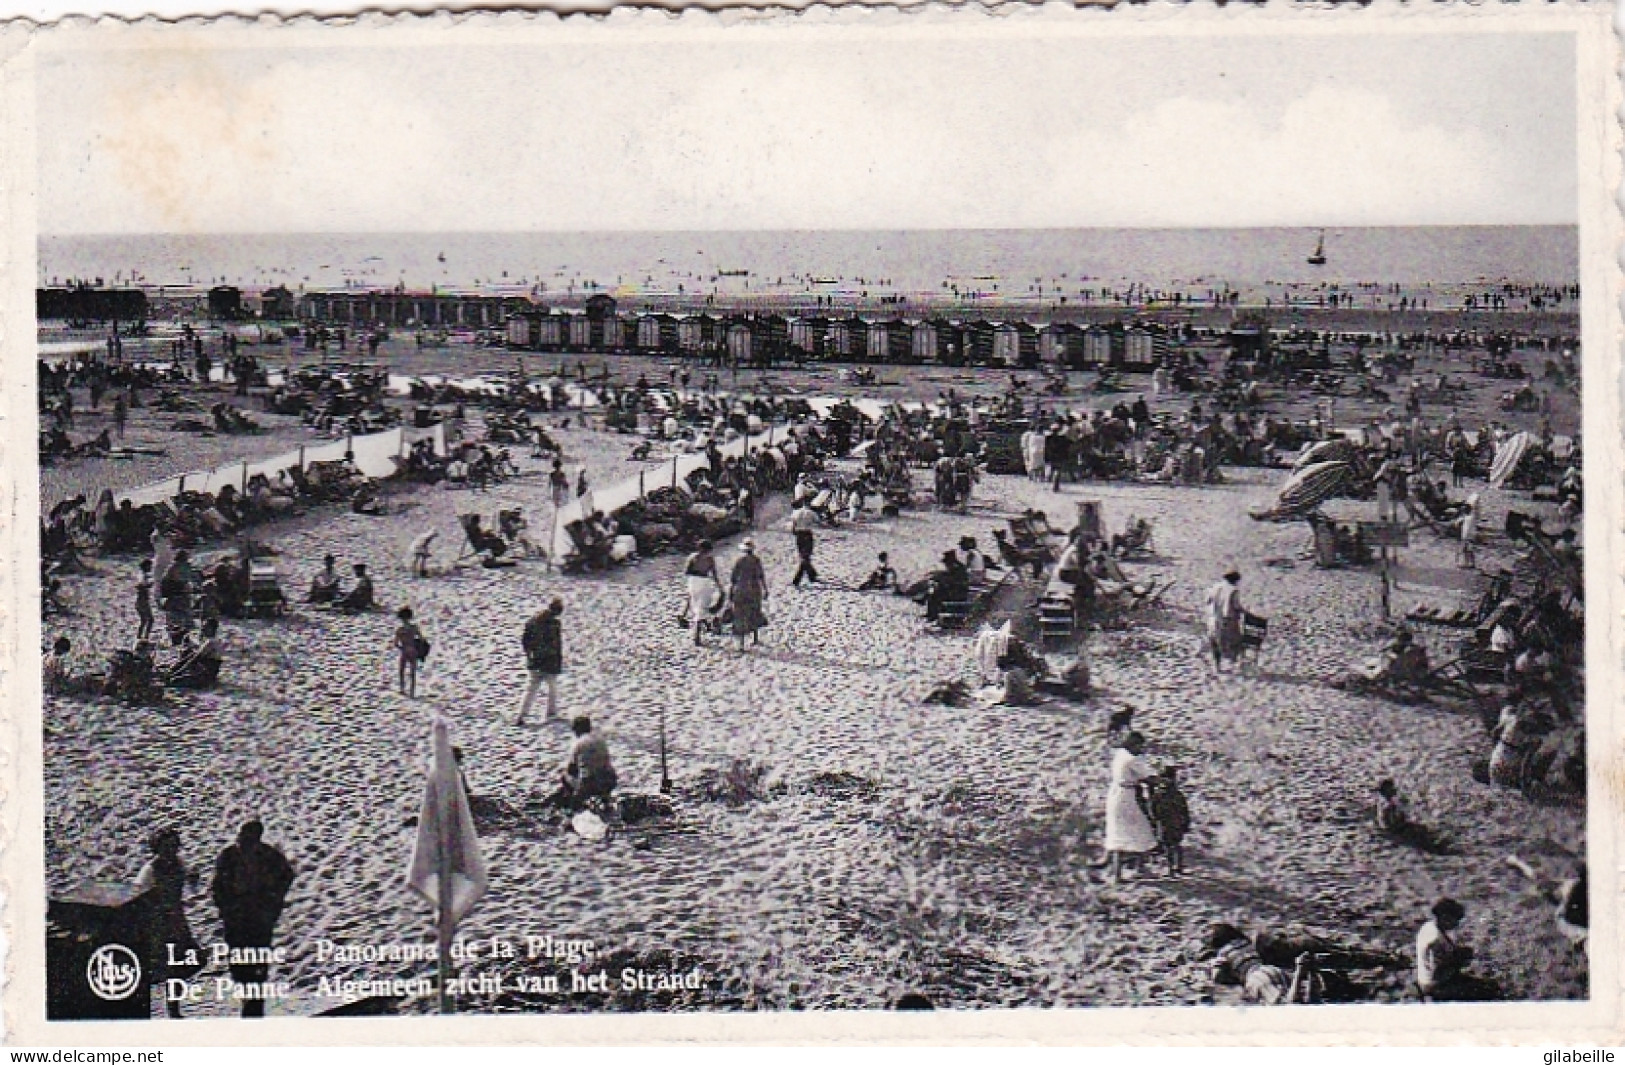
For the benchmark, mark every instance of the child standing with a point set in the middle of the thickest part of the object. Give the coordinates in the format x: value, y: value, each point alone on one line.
x: 411, y: 646
x: 1171, y: 816
x: 143, y: 601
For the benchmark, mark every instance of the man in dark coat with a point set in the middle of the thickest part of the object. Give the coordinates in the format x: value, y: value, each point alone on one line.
x: 251, y: 880
x: 543, y: 641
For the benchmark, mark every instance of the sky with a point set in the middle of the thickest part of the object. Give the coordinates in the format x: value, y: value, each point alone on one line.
x: 826, y: 129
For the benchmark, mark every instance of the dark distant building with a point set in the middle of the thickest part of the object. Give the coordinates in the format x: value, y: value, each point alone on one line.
x: 225, y: 302
x: 277, y: 303
x: 91, y: 304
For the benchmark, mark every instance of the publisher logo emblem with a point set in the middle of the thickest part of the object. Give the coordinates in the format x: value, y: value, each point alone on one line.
x: 114, y: 972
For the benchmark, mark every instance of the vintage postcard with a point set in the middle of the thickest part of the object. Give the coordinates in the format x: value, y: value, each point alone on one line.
x: 1054, y: 525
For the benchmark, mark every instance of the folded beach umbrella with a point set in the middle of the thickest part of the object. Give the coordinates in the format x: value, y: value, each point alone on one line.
x: 1508, y: 454
x: 1337, y: 449
x: 447, y: 868
x: 1311, y: 486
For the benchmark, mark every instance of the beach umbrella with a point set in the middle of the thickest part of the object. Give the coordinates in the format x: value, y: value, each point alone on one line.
x: 1337, y: 449
x: 1508, y: 454
x: 1312, y: 486
x: 447, y: 870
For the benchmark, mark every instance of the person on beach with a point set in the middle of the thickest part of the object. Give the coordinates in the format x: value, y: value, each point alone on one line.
x: 1466, y: 557
x: 1224, y: 612
x: 747, y: 588
x: 1170, y: 815
x: 250, y: 888
x: 1441, y: 961
x: 422, y: 548
x: 1129, y: 833
x: 360, y: 596
x: 324, y: 587
x: 175, y: 590
x: 883, y: 578
x: 162, y: 885
x: 198, y: 666
x: 408, y: 643
x: 558, y: 483
x: 121, y: 414
x: 54, y: 666
x: 1235, y: 961
x: 143, y: 600
x: 802, y: 523
x: 704, y: 585
x: 543, y: 643
x: 163, y: 553
x: 587, y: 772
x: 1391, y: 816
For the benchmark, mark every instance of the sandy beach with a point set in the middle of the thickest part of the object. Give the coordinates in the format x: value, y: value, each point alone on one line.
x: 891, y: 845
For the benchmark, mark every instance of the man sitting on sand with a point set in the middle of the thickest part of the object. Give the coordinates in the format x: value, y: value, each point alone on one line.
x: 587, y: 772
x: 1402, y: 665
x: 359, y: 597
x: 1441, y: 962
x: 324, y: 588
x: 198, y: 664
x: 883, y: 578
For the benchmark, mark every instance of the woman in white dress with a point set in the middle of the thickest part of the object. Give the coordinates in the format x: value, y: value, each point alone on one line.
x: 1128, y: 831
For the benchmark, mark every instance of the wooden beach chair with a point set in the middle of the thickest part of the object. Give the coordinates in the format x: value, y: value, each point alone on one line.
x: 1253, y: 631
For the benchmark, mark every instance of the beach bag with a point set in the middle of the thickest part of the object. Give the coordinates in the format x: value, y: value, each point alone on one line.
x: 423, y: 647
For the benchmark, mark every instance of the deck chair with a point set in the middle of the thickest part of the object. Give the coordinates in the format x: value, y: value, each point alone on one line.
x: 1253, y: 631
x: 953, y: 613
x: 1443, y: 528
x: 1137, y: 540
x: 488, y: 548
x: 513, y: 527
x: 592, y: 555
x: 1055, y: 612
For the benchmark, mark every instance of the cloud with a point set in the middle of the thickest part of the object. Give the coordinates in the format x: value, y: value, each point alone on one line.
x: 864, y: 134
x: 1333, y: 157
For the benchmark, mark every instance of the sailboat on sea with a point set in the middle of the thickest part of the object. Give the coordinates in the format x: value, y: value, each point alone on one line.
x: 1319, y: 256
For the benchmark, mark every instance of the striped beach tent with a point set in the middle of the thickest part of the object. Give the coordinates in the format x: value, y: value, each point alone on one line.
x: 1312, y: 486
x: 1508, y: 454
x: 1337, y: 449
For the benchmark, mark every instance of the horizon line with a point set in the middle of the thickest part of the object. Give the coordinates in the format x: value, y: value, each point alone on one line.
x: 792, y: 229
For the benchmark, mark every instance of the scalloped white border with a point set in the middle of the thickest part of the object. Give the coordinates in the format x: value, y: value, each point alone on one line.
x: 21, y: 825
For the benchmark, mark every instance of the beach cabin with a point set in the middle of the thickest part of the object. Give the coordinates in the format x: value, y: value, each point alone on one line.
x: 580, y: 335
x: 657, y: 333
x: 772, y: 338
x: 1061, y: 344
x: 849, y: 339
x: 523, y: 333
x: 277, y: 304
x: 1144, y: 348
x: 891, y: 342
x: 603, y: 325
x: 1101, y: 346
x: 939, y: 341
x: 697, y: 334
x: 979, y: 336
x: 741, y: 341
x: 1249, y: 340
x: 809, y: 337
x: 1016, y: 344
x: 91, y: 304
x: 552, y: 332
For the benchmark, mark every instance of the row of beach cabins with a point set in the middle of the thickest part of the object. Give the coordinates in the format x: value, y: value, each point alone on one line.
x: 751, y: 339
x: 767, y: 339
